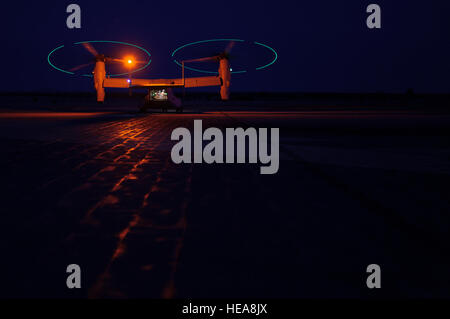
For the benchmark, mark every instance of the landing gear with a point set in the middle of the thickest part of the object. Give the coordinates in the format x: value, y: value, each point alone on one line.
x: 180, y: 109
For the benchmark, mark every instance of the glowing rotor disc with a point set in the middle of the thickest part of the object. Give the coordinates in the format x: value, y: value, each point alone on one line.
x: 176, y: 61
x: 90, y: 75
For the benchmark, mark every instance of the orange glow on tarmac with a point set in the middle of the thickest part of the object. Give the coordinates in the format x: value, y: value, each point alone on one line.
x: 52, y: 114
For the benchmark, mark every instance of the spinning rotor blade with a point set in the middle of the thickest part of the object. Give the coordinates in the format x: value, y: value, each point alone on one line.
x: 216, y: 57
x: 111, y: 60
x: 80, y: 66
x: 90, y: 48
x: 229, y: 47
x: 209, y: 59
x: 124, y: 61
x: 114, y: 60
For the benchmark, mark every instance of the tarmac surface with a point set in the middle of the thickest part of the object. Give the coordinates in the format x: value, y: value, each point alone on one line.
x: 99, y: 189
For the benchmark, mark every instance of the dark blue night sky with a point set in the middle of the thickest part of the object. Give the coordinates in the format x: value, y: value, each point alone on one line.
x: 323, y: 46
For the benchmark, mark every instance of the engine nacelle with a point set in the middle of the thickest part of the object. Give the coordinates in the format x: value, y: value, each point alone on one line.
x: 225, y: 75
x: 99, y: 78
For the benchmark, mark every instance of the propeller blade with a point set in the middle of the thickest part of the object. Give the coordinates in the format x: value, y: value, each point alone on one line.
x: 124, y: 61
x: 115, y: 60
x: 90, y: 48
x: 229, y: 47
x: 80, y: 66
x: 208, y: 59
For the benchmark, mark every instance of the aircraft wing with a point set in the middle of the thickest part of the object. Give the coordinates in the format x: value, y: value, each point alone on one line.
x: 189, y: 82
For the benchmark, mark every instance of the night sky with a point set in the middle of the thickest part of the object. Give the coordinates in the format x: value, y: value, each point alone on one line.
x: 323, y: 45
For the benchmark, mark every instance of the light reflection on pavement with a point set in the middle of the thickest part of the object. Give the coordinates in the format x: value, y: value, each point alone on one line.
x: 100, y: 190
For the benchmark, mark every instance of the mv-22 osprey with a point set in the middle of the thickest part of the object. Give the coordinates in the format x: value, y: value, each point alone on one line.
x: 160, y: 89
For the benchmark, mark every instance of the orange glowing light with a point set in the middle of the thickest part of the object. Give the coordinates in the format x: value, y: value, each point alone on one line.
x: 128, y: 61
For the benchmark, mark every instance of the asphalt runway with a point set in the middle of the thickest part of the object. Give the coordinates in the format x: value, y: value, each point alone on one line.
x: 100, y: 190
